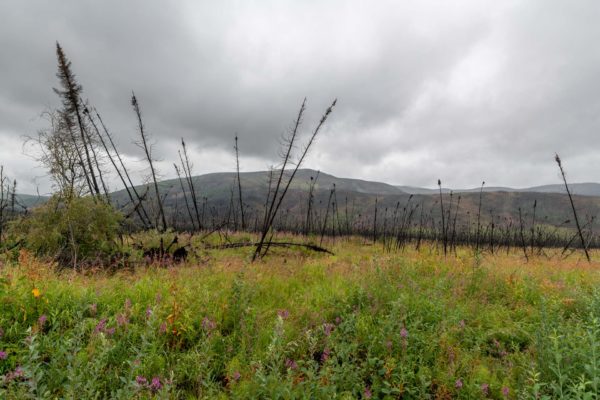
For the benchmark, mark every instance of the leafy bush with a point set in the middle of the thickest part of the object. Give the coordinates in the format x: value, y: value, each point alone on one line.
x: 78, y: 230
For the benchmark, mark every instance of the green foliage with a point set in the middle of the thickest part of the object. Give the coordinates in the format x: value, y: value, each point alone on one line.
x: 76, y: 230
x: 412, y: 326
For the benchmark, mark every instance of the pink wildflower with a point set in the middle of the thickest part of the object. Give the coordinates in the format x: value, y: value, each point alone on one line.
x: 155, y: 385
x: 328, y: 328
x: 485, y: 389
x: 505, y: 391
x: 291, y: 364
x: 122, y: 320
x: 458, y: 384
x: 101, y: 326
x: 403, y: 333
x: 368, y: 393
x: 325, y: 355
x: 284, y: 314
x: 3, y: 355
x: 140, y: 380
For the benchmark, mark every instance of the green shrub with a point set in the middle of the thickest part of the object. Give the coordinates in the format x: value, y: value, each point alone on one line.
x: 81, y: 229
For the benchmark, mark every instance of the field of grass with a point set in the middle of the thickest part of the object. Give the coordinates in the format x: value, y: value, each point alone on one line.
x: 359, y: 324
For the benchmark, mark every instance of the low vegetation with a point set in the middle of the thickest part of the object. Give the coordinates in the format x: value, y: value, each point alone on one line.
x: 299, y: 324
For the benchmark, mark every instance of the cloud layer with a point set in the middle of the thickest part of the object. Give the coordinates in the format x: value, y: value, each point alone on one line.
x: 465, y: 91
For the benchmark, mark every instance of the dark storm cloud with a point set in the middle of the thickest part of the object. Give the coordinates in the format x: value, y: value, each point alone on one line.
x: 465, y: 90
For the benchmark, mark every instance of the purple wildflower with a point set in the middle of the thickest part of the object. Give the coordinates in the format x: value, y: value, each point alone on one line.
x: 42, y: 320
x: 291, y: 364
x: 505, y: 391
x: 17, y: 373
x: 328, y: 328
x: 485, y: 389
x: 368, y: 393
x: 458, y: 384
x: 155, y: 385
x: 122, y: 320
x: 208, y: 325
x: 338, y: 320
x: 110, y: 331
x: 140, y: 380
x: 325, y: 355
x: 284, y: 314
x: 148, y: 312
x: 3, y: 355
x: 236, y: 376
x: 101, y: 326
x: 403, y: 333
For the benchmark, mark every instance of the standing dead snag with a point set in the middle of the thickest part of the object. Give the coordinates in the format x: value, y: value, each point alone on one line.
x: 71, y: 98
x: 239, y: 182
x: 139, y: 206
x: 444, y: 235
x: 187, y: 204
x: 281, y: 188
x: 187, y: 169
x: 562, y: 172
x: 147, y: 151
x: 479, y: 217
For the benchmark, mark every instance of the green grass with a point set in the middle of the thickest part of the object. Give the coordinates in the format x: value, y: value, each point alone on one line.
x: 300, y: 325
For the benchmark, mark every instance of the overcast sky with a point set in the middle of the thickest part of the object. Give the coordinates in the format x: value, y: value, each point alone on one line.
x: 463, y: 91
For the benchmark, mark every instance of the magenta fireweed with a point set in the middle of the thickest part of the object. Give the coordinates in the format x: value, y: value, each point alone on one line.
x: 485, y: 389
x: 284, y: 314
x: 140, y: 380
x: 328, y: 328
x: 325, y: 355
x: 42, y: 320
x: 101, y: 326
x: 208, y: 324
x: 3, y: 355
x: 458, y: 384
x: 291, y: 364
x: 122, y: 320
x: 155, y: 384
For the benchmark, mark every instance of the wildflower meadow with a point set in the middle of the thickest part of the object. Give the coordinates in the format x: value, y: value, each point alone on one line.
x: 360, y: 324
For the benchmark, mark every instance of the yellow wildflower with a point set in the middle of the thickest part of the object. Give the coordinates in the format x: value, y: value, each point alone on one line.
x: 36, y: 292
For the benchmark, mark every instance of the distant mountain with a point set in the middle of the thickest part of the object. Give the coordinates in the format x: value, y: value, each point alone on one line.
x: 216, y: 191
x: 581, y: 189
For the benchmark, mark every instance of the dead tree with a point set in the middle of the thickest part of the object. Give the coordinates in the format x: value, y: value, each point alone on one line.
x: 148, y: 153
x: 282, y: 187
x: 71, y: 98
x: 579, y: 231
x: 187, y: 204
x: 239, y: 182
x: 146, y: 221
x: 187, y: 169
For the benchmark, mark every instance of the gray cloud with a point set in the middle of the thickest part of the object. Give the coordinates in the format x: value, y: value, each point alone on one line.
x: 465, y: 91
